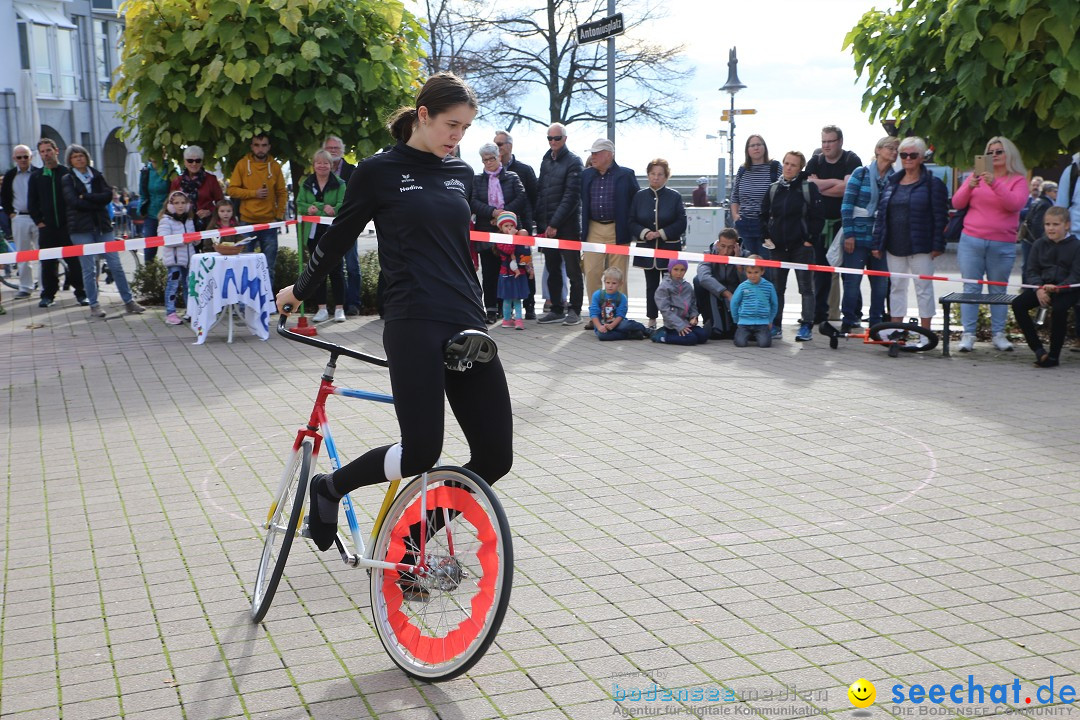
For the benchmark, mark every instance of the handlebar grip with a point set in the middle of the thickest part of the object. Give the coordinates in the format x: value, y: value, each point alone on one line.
x: 283, y: 318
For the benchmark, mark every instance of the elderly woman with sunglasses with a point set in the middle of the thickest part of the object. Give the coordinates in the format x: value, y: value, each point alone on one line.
x: 987, y: 247
x: 494, y: 190
x: 202, y: 188
x: 910, y: 229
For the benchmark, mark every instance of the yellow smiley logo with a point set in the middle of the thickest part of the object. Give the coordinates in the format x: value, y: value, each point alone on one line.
x: 862, y: 693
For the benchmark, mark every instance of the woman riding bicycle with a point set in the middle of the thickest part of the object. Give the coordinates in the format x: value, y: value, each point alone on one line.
x: 418, y: 195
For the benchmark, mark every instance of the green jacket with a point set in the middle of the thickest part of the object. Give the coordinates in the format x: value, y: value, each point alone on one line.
x: 332, y: 194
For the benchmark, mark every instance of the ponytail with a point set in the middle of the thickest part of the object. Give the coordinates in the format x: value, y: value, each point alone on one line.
x: 401, y: 123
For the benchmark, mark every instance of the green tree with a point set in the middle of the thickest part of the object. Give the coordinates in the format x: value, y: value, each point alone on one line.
x: 962, y: 71
x: 214, y: 72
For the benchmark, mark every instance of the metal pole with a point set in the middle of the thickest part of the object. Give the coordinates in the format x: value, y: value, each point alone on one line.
x: 611, y: 79
x: 731, y: 149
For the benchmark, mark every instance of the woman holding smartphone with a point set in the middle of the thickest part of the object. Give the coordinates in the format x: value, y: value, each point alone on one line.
x: 418, y: 195
x: 994, y: 199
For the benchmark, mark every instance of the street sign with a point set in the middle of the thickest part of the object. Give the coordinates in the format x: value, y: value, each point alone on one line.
x: 726, y: 113
x: 600, y: 29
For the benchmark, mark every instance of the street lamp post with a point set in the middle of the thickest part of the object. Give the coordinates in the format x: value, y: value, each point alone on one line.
x: 732, y: 86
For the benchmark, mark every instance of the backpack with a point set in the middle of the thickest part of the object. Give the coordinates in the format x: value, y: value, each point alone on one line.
x: 806, y: 203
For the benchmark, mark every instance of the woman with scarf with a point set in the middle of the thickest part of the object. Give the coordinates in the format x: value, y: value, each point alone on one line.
x: 857, y: 212
x: 322, y: 193
x: 494, y: 190
x: 202, y: 188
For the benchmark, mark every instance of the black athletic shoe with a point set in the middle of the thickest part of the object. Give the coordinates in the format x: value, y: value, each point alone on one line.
x: 323, y: 533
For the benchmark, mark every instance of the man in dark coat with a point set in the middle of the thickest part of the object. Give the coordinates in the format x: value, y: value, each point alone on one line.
x: 48, y: 212
x: 558, y: 212
x: 716, y: 283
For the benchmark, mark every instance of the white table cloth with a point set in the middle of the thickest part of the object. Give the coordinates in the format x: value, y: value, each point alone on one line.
x: 216, y: 282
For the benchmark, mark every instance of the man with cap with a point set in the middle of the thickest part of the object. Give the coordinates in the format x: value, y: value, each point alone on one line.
x: 606, y: 193
x: 700, y: 197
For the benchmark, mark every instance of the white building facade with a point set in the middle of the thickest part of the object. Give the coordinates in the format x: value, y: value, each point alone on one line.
x: 57, y: 59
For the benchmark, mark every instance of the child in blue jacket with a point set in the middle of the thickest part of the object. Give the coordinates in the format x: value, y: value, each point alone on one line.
x: 753, y: 307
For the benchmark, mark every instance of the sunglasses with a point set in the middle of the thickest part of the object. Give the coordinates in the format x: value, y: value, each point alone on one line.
x: 910, y: 156
x: 193, y: 160
x: 500, y: 144
x: 22, y: 157
x: 996, y: 152
x: 555, y: 138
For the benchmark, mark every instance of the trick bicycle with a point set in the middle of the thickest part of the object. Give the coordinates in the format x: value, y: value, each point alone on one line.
x: 439, y: 555
x: 897, y: 336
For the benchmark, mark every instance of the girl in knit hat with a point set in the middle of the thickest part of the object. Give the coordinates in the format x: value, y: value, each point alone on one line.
x: 515, y: 269
x: 675, y: 300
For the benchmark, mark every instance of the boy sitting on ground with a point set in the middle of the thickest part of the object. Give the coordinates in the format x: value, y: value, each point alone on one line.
x: 753, y: 307
x: 1054, y: 261
x: 607, y: 311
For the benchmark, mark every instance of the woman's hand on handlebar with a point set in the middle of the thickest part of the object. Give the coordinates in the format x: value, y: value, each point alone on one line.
x: 286, y: 299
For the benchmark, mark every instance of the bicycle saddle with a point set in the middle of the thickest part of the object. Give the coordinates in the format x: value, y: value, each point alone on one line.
x: 467, y: 348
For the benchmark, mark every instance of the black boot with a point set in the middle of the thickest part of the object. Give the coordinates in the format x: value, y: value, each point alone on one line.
x: 323, y: 505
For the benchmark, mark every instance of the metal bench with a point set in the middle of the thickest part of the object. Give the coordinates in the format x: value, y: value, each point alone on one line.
x: 968, y: 299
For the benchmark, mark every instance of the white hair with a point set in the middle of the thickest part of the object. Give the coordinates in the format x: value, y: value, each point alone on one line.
x: 913, y: 142
x: 193, y: 152
x: 489, y: 149
x: 508, y: 136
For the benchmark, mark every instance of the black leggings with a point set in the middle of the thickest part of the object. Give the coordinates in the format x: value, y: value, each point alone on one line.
x: 478, y: 397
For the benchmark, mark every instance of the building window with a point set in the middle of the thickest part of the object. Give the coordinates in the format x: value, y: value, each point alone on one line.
x: 43, y: 64
x: 24, y: 47
x: 102, y: 4
x: 51, y: 53
x: 103, y: 57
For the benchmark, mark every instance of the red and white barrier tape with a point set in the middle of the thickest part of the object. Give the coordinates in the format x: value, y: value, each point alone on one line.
x: 541, y: 242
x: 133, y: 243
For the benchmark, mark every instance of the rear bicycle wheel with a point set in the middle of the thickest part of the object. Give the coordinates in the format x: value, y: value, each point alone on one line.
x: 910, y: 338
x: 436, y: 625
x: 282, y: 522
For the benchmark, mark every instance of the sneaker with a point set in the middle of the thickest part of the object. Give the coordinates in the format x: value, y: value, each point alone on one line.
x: 321, y: 316
x: 339, y: 315
x: 22, y: 295
x: 134, y: 308
x: 967, y: 342
x: 321, y: 531
x: 588, y: 325
x: 1001, y: 342
x: 173, y: 319
x: 1046, y: 360
x: 492, y: 317
x: 507, y: 323
x: 572, y: 318
x: 845, y: 328
x: 805, y: 333
x: 45, y: 302
x: 530, y: 314
x: 96, y: 312
x: 551, y: 317
x: 351, y: 311
x: 777, y: 332
x: 651, y: 325
x: 519, y: 324
x: 82, y: 300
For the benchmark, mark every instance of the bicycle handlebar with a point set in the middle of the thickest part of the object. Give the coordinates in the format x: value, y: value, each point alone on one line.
x: 330, y: 347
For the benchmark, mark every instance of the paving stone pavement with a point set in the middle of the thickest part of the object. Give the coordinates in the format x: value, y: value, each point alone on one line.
x: 751, y: 529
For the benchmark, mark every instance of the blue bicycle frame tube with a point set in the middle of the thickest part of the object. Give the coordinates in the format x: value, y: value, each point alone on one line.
x: 364, y: 395
x: 335, y: 462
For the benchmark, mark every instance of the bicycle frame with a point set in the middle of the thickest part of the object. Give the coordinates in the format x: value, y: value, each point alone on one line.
x: 318, y: 429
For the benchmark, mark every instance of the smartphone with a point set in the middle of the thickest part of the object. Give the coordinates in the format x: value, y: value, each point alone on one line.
x: 981, y: 164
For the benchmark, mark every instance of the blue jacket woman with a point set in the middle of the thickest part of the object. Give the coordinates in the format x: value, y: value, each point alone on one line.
x: 929, y: 210
x: 660, y: 211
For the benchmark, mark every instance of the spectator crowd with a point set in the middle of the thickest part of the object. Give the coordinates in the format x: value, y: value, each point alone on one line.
x: 890, y: 213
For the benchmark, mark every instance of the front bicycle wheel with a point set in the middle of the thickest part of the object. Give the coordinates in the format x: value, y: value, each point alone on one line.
x: 282, y: 522
x: 907, y: 337
x: 438, y: 624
